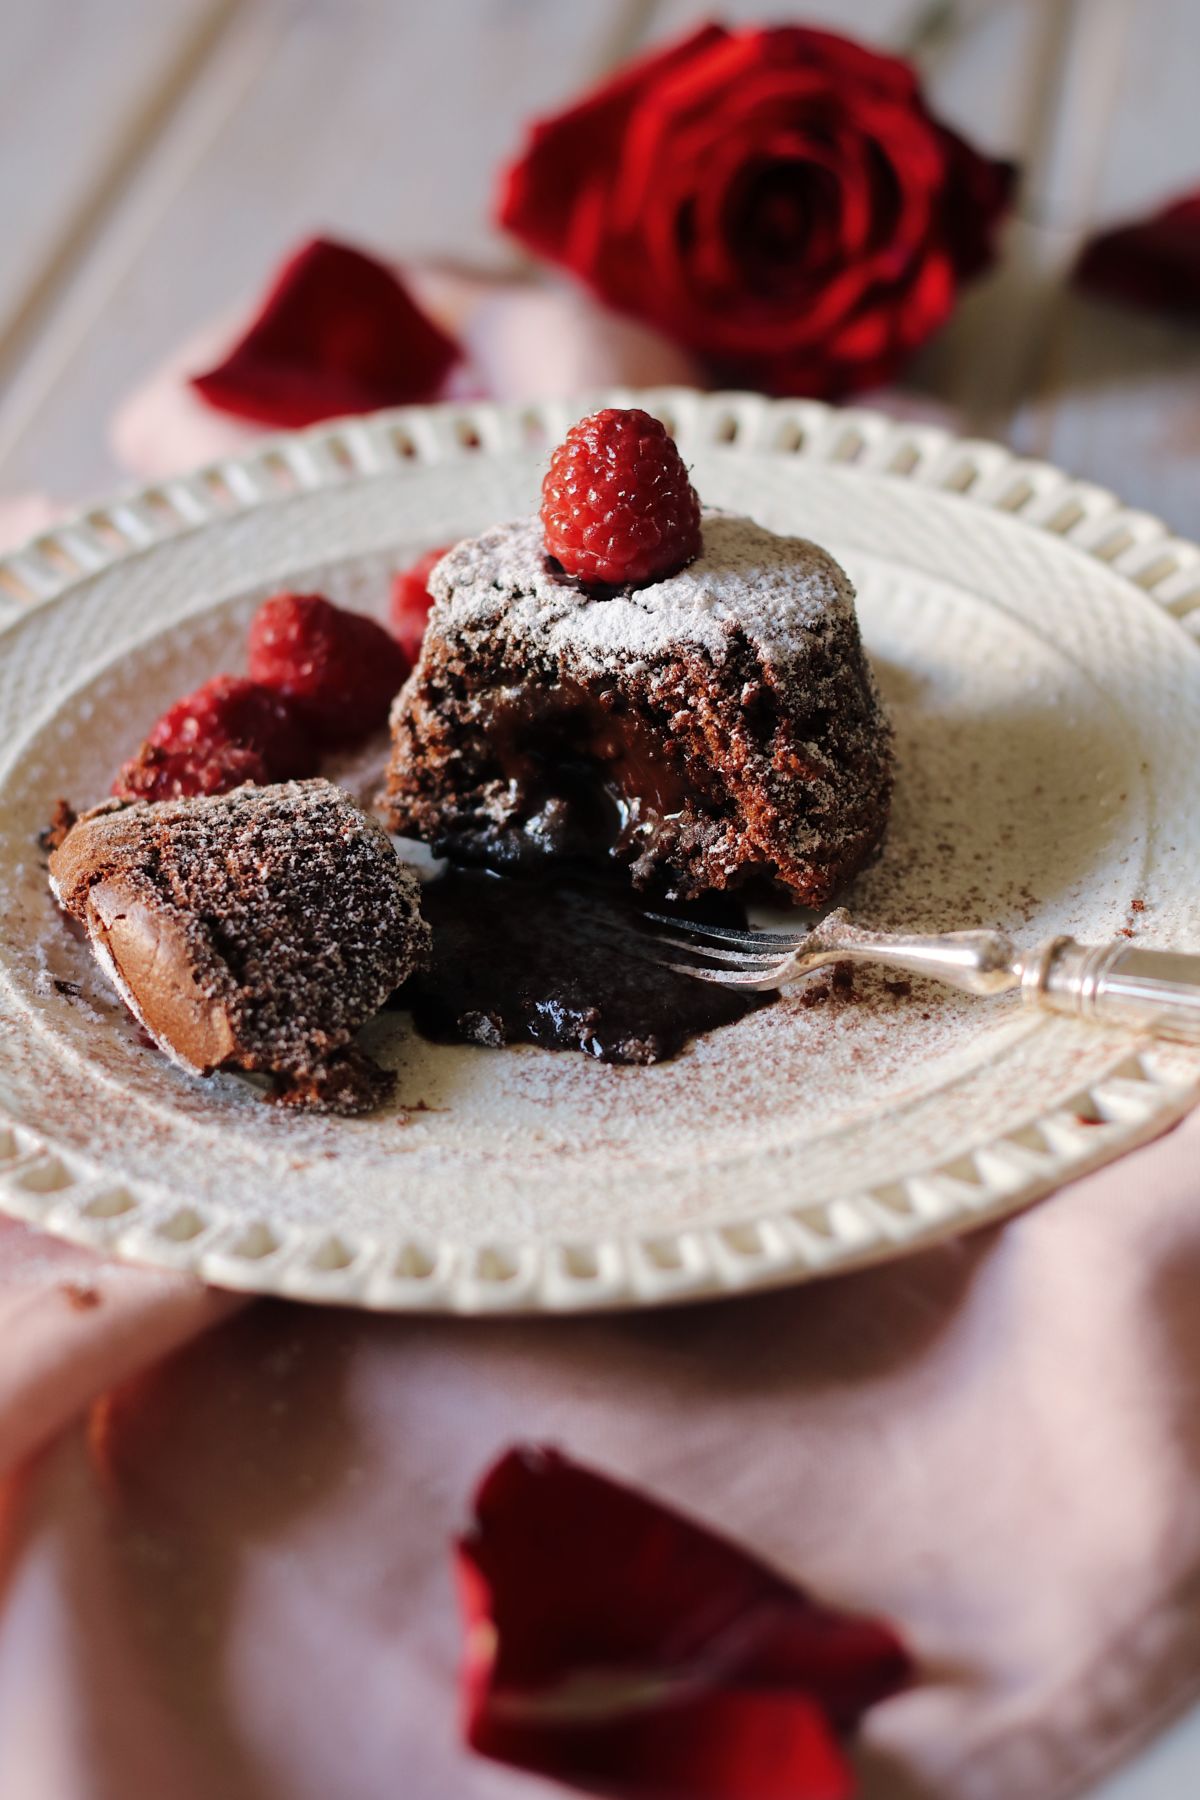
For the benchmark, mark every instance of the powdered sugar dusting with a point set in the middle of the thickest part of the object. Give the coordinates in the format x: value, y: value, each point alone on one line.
x: 773, y: 591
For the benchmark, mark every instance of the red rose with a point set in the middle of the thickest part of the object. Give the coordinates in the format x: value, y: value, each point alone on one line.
x: 781, y: 201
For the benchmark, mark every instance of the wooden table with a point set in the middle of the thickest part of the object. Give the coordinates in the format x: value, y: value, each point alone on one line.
x: 158, y: 156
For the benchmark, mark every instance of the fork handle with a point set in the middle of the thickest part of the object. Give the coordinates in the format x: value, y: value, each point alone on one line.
x: 1117, y: 984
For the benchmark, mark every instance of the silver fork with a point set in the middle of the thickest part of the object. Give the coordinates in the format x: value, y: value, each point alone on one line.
x: 1115, y: 984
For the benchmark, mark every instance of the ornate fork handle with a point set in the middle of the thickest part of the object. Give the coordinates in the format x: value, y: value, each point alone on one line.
x: 1116, y: 984
x: 977, y: 962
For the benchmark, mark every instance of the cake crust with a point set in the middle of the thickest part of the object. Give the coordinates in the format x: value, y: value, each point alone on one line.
x: 715, y: 728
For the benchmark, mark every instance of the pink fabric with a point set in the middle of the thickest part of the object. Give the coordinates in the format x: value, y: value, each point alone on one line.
x: 71, y: 1325
x: 233, y: 1577
x: 224, y: 1526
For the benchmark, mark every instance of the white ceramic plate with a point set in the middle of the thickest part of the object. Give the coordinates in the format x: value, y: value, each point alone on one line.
x: 1036, y: 643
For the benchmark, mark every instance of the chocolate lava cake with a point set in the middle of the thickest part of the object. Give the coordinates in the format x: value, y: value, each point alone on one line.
x: 713, y: 728
x: 254, y: 930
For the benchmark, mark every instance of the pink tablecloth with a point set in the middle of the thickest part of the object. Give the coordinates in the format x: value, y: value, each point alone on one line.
x: 230, y: 1577
x: 224, y: 1527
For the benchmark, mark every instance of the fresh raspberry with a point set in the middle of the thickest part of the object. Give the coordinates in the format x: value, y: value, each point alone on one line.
x: 340, y: 670
x: 229, y: 710
x: 617, y: 505
x: 158, y: 774
x: 411, y: 601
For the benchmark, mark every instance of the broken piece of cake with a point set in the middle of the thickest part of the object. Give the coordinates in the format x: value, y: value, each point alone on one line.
x: 256, y: 930
x: 710, y: 721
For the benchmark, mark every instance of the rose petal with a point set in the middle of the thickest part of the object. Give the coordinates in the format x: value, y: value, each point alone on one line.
x: 609, y: 1638
x: 338, y: 333
x: 979, y: 191
x: 1153, y: 262
x: 719, y: 1746
x: 521, y: 340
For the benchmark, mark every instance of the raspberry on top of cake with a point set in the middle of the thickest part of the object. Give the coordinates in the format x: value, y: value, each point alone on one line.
x: 254, y: 930
x: 683, y: 692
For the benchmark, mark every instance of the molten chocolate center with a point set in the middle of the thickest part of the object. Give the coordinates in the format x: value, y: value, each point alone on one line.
x: 591, y: 780
x: 558, y: 965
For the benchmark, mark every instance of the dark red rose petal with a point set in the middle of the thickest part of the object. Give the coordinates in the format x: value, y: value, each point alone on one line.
x: 738, y: 1745
x: 337, y: 333
x: 610, y: 1639
x: 1153, y: 263
x: 978, y: 192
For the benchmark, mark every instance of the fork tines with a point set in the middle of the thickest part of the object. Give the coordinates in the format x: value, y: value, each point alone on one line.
x: 720, y: 953
x: 697, y: 933
x: 743, y: 958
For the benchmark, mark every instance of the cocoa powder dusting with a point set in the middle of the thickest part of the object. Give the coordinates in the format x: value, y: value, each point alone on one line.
x: 295, y: 917
x: 81, y: 1296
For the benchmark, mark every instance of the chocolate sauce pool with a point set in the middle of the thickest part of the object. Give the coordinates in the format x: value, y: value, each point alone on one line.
x: 535, y: 962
